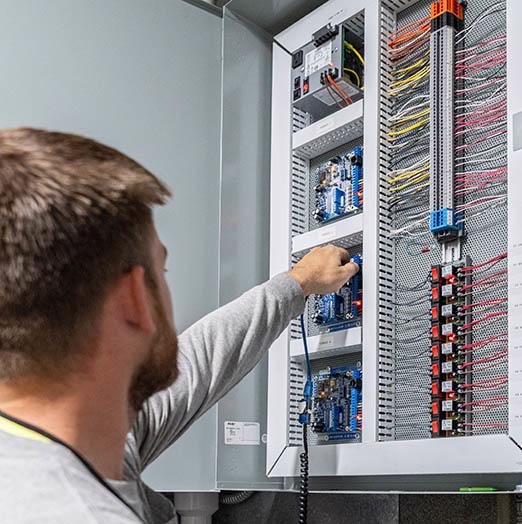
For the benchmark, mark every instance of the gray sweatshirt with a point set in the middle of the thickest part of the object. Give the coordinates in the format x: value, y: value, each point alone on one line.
x: 44, y: 482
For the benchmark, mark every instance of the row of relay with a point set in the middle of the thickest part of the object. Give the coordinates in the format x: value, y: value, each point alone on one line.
x: 449, y: 294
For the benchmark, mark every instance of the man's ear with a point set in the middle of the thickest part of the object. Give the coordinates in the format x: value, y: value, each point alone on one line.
x: 137, y: 306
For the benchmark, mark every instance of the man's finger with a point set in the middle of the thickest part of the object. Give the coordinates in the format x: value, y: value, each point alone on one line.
x: 343, y: 255
x: 349, y: 270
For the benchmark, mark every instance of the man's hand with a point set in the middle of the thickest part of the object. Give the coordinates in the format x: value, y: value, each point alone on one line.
x: 324, y: 270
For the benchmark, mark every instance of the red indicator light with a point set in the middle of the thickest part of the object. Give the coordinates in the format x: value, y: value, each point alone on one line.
x: 435, y: 408
x: 435, y: 388
x: 435, y: 351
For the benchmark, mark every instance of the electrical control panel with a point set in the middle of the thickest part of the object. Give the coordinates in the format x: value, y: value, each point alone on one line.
x: 413, y: 174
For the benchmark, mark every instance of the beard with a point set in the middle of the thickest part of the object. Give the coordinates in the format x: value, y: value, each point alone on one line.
x: 160, y: 368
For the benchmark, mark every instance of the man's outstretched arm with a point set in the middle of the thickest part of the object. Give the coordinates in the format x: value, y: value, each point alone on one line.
x: 220, y: 349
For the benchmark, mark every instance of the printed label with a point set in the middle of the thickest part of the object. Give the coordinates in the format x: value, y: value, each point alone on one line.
x: 327, y: 341
x: 447, y: 367
x: 318, y: 59
x: 447, y: 386
x: 447, y: 424
x: 327, y: 233
x: 242, y: 433
x: 447, y: 348
x: 447, y: 405
x: 324, y: 125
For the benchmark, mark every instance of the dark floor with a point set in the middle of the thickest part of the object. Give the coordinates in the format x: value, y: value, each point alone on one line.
x: 282, y: 508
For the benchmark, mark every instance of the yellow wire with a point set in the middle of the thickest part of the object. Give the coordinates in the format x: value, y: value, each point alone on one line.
x: 413, y: 66
x: 410, y: 183
x: 405, y: 130
x: 355, y: 74
x: 408, y: 174
x: 351, y: 48
x: 424, y: 112
x: 421, y: 73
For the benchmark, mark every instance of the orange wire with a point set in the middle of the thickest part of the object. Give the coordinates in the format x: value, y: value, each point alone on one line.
x: 347, y: 99
x: 403, y: 35
x: 407, y: 26
x: 332, y: 95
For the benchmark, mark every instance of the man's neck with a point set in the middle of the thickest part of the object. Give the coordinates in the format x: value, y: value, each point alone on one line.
x: 91, y: 421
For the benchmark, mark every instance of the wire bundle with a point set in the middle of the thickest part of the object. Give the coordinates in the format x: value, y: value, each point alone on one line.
x: 408, y: 125
x: 483, y: 379
x: 481, y: 116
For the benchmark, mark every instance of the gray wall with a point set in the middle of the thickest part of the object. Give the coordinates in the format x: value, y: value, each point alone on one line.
x: 133, y: 74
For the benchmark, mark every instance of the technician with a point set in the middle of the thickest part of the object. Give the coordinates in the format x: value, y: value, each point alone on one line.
x: 94, y: 384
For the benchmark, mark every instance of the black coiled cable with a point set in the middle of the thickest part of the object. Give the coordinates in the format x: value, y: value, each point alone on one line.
x: 303, y: 489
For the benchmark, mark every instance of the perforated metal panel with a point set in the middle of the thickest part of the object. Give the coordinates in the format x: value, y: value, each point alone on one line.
x: 335, y: 138
x: 404, y: 356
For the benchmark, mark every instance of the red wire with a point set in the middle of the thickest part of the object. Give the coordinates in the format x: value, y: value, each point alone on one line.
x: 328, y: 88
x: 486, y: 341
x: 483, y: 319
x: 483, y: 383
x: 485, y: 280
x: 496, y: 356
x: 484, y: 401
x: 499, y: 257
x: 491, y: 301
x: 347, y: 99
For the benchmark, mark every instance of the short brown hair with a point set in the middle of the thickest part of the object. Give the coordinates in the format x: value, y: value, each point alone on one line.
x: 74, y: 214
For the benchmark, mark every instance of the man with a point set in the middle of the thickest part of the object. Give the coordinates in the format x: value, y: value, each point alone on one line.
x: 93, y: 382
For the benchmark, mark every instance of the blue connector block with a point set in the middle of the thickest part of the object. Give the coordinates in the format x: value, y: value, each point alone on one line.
x: 331, y: 308
x: 354, y: 403
x: 445, y: 219
x: 335, y: 203
x: 356, y: 178
x: 356, y: 286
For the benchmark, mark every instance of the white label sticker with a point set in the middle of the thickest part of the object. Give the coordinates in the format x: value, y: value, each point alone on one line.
x: 447, y: 405
x: 447, y: 348
x: 242, y: 433
x: 447, y: 329
x: 328, y: 232
x: 447, y: 290
x: 326, y: 341
x: 324, y: 125
x: 318, y: 59
x: 447, y: 386
x: 447, y: 367
x: 447, y: 271
x: 447, y: 310
x: 447, y: 424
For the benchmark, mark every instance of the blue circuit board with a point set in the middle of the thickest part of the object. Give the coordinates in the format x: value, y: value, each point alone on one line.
x: 339, y: 186
x: 337, y: 311
x: 337, y: 403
